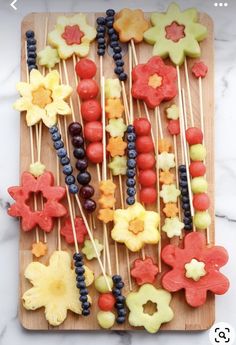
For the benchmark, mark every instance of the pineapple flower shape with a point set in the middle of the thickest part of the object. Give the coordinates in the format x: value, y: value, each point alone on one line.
x: 131, y: 25
x: 72, y: 35
x: 136, y: 302
x: 54, y: 288
x: 43, y: 98
x: 135, y: 227
x: 52, y: 207
x: 176, y: 34
x: 195, y: 268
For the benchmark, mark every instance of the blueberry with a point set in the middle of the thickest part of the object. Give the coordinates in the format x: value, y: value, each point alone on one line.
x: 120, y: 285
x: 56, y: 136
x: 53, y: 129
x: 78, y: 257
x: 131, y: 191
x: 119, y: 305
x: 120, y: 319
x: 31, y: 41
x: 77, y: 141
x: 31, y: 67
x: 131, y: 137
x: 58, y: 144
x: 119, y: 70
x: 120, y: 63
x: 130, y: 129
x: 130, y: 200
x: 182, y: 168
x: 79, y: 152
x: 32, y: 55
x: 131, y: 146
x: 101, y: 21
x: 65, y: 160
x: 130, y: 173
x: 84, y: 178
x: 80, y: 278
x: 188, y: 227
x: 184, y: 191
x: 73, y: 189
x: 100, y: 35
x: 130, y: 182
x: 187, y: 213
x: 117, y: 56
x: 70, y: 180
x: 61, y: 153
x: 122, y: 312
x: 83, y: 298
x: 31, y: 61
x: 30, y: 34
x: 109, y: 24
x: 86, y: 192
x: 101, y: 41
x: 84, y: 292
x: 132, y: 153
x: 131, y: 163
x: 101, y: 52
x: 110, y: 12
x: 81, y: 285
x: 116, y: 292
x: 115, y: 37
x: 185, y: 199
x: 75, y: 128
x: 89, y: 205
x: 86, y: 305
x: 85, y: 312
x: 114, y: 44
x: 82, y: 164
x: 31, y: 48
x: 183, y: 176
x: 187, y: 221
x: 183, y: 183
x: 185, y: 206
x: 102, y: 46
x: 111, y: 31
x: 116, y: 278
x: 101, y: 28
x: 67, y: 169
x: 78, y: 264
x: 80, y: 271
x: 123, y: 77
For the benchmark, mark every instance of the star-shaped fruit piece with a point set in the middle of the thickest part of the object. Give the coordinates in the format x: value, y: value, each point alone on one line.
x: 43, y: 98
x: 166, y: 161
x: 169, y: 193
x: 80, y: 229
x: 199, y: 69
x: 54, y: 288
x: 166, y: 177
x: 116, y: 146
x: 173, y: 227
x: 114, y: 108
x: 107, y: 201
x: 171, y: 210
x: 89, y: 251
x: 176, y: 34
x: 116, y: 128
x: 72, y: 35
x: 195, y: 269
x: 118, y: 165
x: 164, y: 145
x: 39, y: 249
x: 172, y: 112
x: 37, y: 169
x: 136, y: 302
x: 107, y: 187
x: 144, y: 271
x: 48, y: 57
x: 106, y: 215
x: 131, y: 25
x: 112, y: 88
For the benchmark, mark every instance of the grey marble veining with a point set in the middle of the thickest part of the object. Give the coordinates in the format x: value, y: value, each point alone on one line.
x: 225, y: 48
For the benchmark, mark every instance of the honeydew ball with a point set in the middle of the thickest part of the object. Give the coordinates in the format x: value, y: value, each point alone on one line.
x: 197, y: 152
x: 199, y: 185
x: 202, y: 220
x: 106, y: 319
x: 101, y: 285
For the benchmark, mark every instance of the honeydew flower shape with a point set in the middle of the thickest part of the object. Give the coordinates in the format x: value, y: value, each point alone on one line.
x: 72, y: 35
x: 43, y: 98
x: 195, y: 268
x: 54, y: 287
x: 176, y: 34
x: 135, y: 227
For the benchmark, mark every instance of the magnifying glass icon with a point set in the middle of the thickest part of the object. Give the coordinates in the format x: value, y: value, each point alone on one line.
x: 222, y: 335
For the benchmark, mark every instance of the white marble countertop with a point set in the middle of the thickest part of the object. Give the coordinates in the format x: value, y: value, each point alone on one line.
x: 225, y: 48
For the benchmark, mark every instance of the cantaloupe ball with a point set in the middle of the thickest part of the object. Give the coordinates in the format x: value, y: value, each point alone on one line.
x: 199, y: 185
x: 202, y: 220
x: 197, y: 152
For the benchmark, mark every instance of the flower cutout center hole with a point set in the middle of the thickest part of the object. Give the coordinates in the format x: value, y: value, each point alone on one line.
x: 136, y: 225
x: 150, y: 308
x: 155, y: 81
x: 42, y: 97
x: 36, y: 198
x: 175, y: 32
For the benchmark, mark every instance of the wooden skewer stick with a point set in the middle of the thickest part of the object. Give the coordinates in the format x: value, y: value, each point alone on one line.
x: 189, y: 92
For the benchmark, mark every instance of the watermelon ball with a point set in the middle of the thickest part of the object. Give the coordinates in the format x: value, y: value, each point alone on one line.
x: 197, y: 152
x: 147, y: 178
x: 86, y: 69
x: 93, y: 131
x: 106, y: 301
x: 91, y: 110
x: 142, y: 126
x: 94, y: 152
x: 194, y: 136
x: 106, y: 319
x: 148, y: 195
x: 145, y: 161
x: 144, y: 144
x: 173, y: 127
x: 197, y: 169
x: 101, y: 285
x: 202, y: 220
x: 201, y: 201
x: 199, y: 185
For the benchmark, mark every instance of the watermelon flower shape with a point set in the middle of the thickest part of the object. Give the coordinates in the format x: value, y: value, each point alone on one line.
x: 43, y: 98
x: 72, y: 35
x: 144, y: 271
x: 154, y: 82
x: 54, y: 288
x: 176, y: 34
x: 80, y: 228
x: 135, y: 227
x: 199, y: 69
x: 195, y: 268
x: 52, y: 207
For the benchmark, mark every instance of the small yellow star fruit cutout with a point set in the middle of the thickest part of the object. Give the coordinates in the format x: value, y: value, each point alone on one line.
x: 118, y: 165
x: 48, y: 57
x: 37, y: 169
x: 39, y: 249
x: 195, y: 270
x: 172, y: 112
x: 173, y: 227
x: 116, y: 127
x: 166, y: 161
x: 89, y: 251
x: 169, y: 193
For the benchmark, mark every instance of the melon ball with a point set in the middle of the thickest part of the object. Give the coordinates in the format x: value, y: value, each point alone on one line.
x: 194, y: 135
x: 199, y: 185
x: 197, y: 152
x: 106, y: 319
x: 101, y: 285
x: 202, y: 220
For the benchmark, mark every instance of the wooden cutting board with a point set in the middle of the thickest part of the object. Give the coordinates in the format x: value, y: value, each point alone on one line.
x: 186, y: 318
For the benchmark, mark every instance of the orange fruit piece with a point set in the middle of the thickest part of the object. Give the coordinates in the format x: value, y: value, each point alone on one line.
x: 106, y: 215
x: 107, y: 187
x: 171, y: 210
x: 39, y: 249
x: 114, y: 108
x: 166, y: 177
x: 164, y: 145
x: 106, y: 201
x: 116, y: 146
